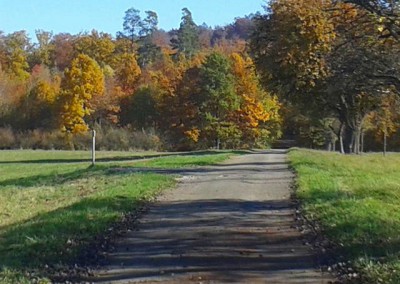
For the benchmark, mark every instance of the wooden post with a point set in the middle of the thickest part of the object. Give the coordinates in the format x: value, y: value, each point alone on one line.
x: 93, y: 147
x: 384, y: 143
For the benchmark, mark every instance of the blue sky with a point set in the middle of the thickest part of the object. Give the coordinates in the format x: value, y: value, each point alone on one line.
x: 76, y: 16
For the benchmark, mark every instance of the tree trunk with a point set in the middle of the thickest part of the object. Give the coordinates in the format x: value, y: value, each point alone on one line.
x: 341, y: 139
x: 328, y: 146
x: 352, y: 140
x: 348, y: 140
x: 357, y: 140
x: 362, y: 141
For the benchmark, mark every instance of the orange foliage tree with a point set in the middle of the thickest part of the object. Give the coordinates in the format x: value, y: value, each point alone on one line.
x: 258, y: 116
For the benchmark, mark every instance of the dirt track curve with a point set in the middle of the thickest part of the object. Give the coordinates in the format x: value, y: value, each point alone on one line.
x: 230, y: 223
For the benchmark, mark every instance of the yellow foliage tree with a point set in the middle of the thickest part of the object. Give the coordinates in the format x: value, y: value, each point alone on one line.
x: 384, y: 122
x: 258, y: 116
x: 292, y: 44
x: 83, y: 83
x: 127, y: 72
x: 177, y: 86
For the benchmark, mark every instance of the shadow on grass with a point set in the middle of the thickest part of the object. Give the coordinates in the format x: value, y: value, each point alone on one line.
x: 55, y: 179
x: 357, y: 230
x: 128, y: 158
x: 51, y: 179
x: 57, y: 236
x: 189, y: 167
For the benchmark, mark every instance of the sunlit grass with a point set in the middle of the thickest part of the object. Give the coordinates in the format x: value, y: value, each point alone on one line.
x: 53, y: 203
x: 356, y: 199
x: 182, y: 161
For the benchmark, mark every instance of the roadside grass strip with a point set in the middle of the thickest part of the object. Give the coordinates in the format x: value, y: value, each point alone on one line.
x: 356, y: 201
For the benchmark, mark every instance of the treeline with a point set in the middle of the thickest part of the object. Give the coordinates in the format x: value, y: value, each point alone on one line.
x: 190, y: 88
x: 336, y: 68
x: 334, y: 65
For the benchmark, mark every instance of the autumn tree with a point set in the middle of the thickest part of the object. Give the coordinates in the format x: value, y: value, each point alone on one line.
x: 12, y: 92
x: 83, y: 82
x: 384, y: 121
x: 127, y: 72
x: 185, y: 119
x: 169, y: 92
x: 362, y: 69
x: 388, y: 13
x: 326, y: 55
x: 63, y: 50
x: 17, y: 45
x: 289, y: 44
x: 38, y: 108
x: 258, y: 114
x: 44, y: 49
x: 98, y: 46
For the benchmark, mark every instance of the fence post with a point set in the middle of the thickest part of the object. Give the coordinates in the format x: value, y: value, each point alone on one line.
x: 93, y: 147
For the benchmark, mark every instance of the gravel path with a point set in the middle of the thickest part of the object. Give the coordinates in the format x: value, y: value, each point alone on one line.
x: 233, y: 222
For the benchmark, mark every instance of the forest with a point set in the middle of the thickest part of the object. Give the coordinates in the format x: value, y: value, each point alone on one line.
x: 322, y: 73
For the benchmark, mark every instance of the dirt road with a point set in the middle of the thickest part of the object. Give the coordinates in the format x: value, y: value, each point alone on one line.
x: 231, y: 223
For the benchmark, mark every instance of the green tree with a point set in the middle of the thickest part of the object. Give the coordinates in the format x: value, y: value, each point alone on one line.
x: 139, y: 109
x: 98, y: 46
x: 186, y: 41
x: 44, y: 49
x: 17, y: 45
x: 132, y: 25
x: 148, y: 52
x: 217, y: 98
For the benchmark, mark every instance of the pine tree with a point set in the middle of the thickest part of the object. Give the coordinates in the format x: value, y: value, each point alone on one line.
x: 187, y: 39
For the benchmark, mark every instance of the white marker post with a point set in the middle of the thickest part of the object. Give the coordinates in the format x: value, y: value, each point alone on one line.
x: 93, y: 147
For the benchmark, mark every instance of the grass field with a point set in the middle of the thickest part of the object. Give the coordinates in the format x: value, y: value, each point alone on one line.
x: 52, y: 203
x: 356, y: 200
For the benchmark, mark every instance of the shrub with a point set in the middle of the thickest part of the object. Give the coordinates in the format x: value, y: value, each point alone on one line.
x: 107, y: 138
x: 7, y: 138
x: 30, y: 139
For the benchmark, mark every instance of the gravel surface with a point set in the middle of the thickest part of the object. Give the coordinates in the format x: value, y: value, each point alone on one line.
x: 230, y: 223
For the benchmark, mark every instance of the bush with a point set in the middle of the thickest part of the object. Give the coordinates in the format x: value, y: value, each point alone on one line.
x: 81, y: 141
x: 7, y: 138
x: 114, y: 139
x: 107, y: 138
x: 111, y: 138
x: 32, y: 140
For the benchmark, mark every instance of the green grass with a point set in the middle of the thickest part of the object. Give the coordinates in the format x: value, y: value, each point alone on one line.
x: 53, y: 203
x: 40, y: 156
x: 183, y: 161
x: 356, y: 200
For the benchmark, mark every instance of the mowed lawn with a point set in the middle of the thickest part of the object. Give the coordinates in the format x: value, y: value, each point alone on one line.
x: 53, y: 203
x: 356, y: 200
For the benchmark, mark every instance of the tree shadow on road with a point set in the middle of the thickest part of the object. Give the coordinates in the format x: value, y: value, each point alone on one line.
x: 220, y: 240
